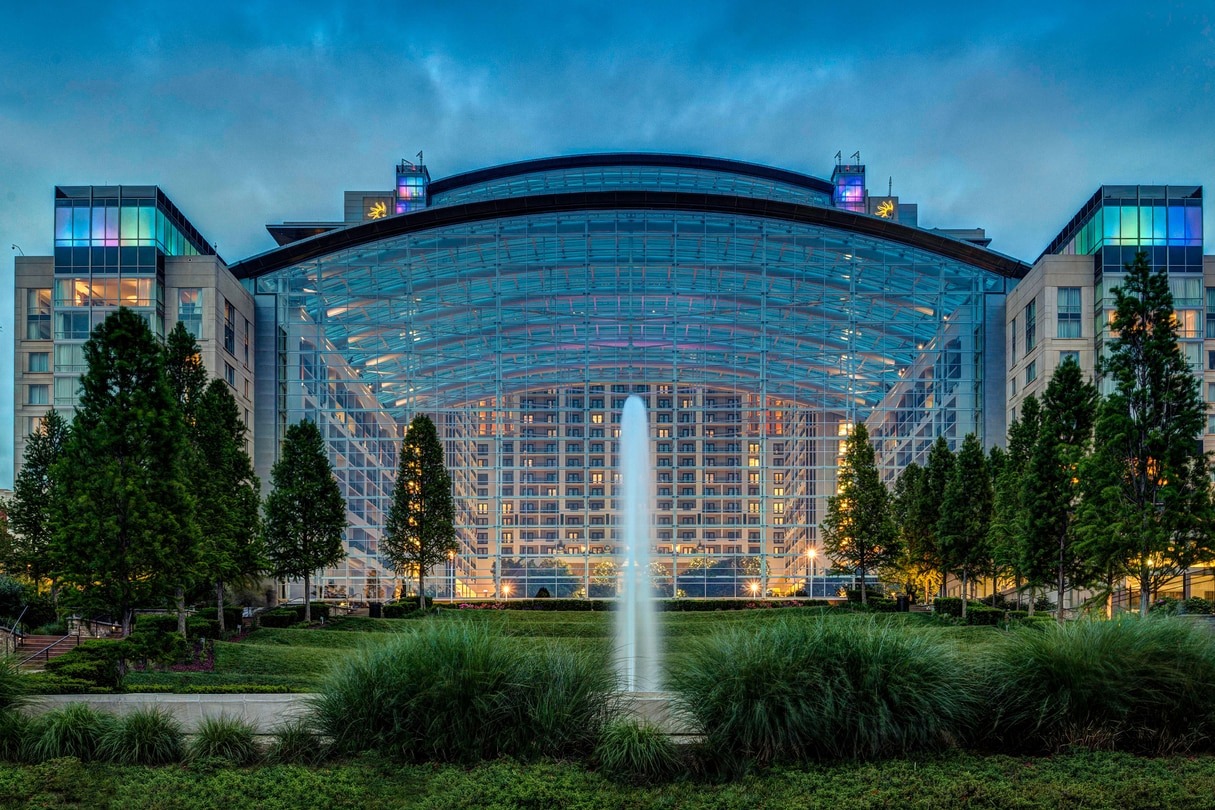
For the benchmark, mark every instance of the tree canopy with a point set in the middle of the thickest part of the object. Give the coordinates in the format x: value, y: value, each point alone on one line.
x: 859, y: 533
x: 305, y: 514
x: 420, y: 532
x: 121, y: 512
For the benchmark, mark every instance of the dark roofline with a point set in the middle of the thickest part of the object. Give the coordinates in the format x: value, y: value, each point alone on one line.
x: 443, y: 216
x: 630, y: 159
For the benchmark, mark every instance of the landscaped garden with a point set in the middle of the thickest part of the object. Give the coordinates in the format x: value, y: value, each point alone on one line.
x: 790, y: 707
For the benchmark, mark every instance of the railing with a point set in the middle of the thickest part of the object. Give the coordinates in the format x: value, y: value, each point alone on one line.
x: 45, y: 651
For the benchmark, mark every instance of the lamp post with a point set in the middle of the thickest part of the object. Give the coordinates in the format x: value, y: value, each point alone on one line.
x: 810, y: 555
x: 506, y: 590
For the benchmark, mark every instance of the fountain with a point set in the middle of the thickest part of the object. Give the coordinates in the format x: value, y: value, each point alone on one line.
x: 638, y: 661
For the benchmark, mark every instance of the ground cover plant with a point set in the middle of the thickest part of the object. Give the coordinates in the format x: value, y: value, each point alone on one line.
x: 955, y: 780
x: 801, y: 691
x: 1144, y: 685
x: 456, y: 692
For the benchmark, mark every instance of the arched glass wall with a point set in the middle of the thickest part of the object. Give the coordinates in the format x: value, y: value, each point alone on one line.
x: 757, y: 343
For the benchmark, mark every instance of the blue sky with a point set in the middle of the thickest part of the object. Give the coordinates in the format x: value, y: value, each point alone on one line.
x: 1000, y: 115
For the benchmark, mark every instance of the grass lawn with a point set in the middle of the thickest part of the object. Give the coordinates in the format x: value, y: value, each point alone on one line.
x: 297, y: 660
x: 956, y: 780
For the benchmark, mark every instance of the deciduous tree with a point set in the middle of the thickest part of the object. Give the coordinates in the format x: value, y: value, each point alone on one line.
x: 966, y: 515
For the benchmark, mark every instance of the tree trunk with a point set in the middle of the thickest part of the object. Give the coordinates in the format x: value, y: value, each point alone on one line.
x: 964, y: 595
x: 219, y: 602
x: 126, y: 617
x: 422, y: 589
x: 180, y: 596
x: 1145, y: 593
x: 308, y: 598
x: 863, y: 596
x: 1031, y: 600
x: 1109, y: 596
x: 1062, y: 551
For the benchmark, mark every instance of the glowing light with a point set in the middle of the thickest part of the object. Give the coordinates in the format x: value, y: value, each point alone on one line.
x: 378, y: 211
x: 885, y: 209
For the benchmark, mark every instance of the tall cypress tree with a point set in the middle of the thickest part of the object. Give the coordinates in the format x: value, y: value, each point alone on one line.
x: 420, y: 532
x: 937, y: 473
x: 1050, y: 485
x: 187, y: 377
x: 122, y: 513
x: 305, y: 514
x: 1007, y: 522
x: 966, y: 515
x: 859, y: 532
x: 1147, y: 509
x: 228, y: 500
x: 29, y: 510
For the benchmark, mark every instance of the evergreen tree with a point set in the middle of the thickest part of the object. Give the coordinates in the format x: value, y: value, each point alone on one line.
x: 966, y: 516
x: 859, y: 532
x: 420, y: 532
x: 121, y: 512
x: 228, y: 500
x: 1147, y: 510
x: 1006, y: 533
x: 937, y: 473
x: 1050, y: 486
x: 29, y: 509
x: 187, y: 377
x: 305, y: 514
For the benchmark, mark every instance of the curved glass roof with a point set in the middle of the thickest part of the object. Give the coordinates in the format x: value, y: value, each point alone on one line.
x: 642, y: 171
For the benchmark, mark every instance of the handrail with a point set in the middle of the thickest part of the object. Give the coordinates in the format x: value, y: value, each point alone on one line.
x: 14, y: 631
x: 47, y: 649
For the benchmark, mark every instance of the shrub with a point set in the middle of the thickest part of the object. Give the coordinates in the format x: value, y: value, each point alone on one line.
x: 226, y: 738
x: 99, y: 661
x: 296, y: 743
x: 795, y: 691
x: 233, y: 614
x: 197, y: 627
x: 947, y: 606
x: 14, y: 736
x: 542, y: 593
x: 977, y: 614
x: 1197, y: 606
x: 76, y: 730
x: 632, y: 750
x: 146, y: 736
x: 454, y: 692
x: 155, y: 623
x: 401, y: 608
x: 55, y: 628
x: 1131, y: 684
x: 288, y: 615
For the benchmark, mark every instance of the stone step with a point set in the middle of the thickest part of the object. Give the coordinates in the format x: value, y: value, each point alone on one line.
x: 40, y: 647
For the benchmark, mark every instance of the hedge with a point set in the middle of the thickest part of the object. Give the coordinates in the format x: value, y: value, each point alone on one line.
x: 232, y: 615
x: 288, y: 615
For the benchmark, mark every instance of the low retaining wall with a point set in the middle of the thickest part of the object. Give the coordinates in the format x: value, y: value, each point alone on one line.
x: 265, y: 712
x: 268, y: 712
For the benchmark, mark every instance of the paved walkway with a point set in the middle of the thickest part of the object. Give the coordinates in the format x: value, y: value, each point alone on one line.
x: 268, y: 712
x: 264, y: 712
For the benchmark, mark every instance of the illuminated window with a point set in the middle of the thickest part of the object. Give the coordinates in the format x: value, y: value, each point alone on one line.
x: 38, y: 315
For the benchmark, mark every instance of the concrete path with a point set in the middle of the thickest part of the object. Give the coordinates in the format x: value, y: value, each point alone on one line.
x: 268, y: 712
x: 264, y: 712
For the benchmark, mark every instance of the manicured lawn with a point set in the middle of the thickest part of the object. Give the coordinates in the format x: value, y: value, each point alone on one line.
x: 298, y: 659
x: 955, y: 780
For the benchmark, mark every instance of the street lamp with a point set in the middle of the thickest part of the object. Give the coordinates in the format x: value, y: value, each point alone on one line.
x: 811, y: 553
x: 753, y: 586
x: 506, y: 590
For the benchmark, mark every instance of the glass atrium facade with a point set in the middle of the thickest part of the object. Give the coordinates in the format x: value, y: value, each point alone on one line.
x: 758, y: 322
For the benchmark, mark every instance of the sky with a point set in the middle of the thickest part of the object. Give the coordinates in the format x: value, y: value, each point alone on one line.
x: 1000, y: 115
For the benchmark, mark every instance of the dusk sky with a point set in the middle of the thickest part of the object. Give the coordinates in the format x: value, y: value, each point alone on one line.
x: 1000, y: 115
